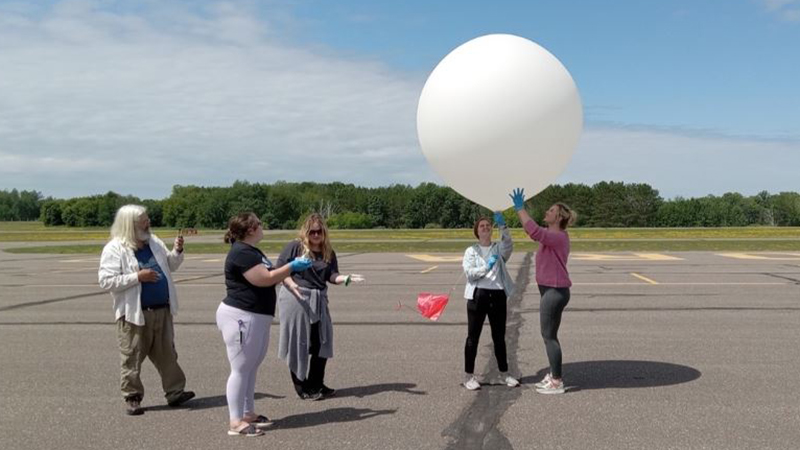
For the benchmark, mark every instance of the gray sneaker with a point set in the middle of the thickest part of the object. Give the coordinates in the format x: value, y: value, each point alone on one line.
x: 544, y: 381
x: 552, y: 386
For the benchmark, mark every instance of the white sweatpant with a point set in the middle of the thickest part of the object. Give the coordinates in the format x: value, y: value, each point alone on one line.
x: 246, y: 337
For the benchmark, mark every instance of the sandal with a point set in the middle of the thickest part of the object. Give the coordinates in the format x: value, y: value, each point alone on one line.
x: 261, y: 422
x: 248, y: 430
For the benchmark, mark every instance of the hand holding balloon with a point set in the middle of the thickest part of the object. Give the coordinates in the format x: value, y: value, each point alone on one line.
x: 499, y: 219
x: 518, y: 197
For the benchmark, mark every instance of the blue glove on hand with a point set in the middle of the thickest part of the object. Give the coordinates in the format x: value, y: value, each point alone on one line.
x: 491, y: 262
x: 300, y: 264
x: 499, y: 219
x: 518, y: 196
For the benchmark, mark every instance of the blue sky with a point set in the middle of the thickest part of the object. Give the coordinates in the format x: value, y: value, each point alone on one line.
x: 692, y: 97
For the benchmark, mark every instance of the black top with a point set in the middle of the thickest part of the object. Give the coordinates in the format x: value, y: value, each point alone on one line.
x: 318, y: 274
x: 241, y: 293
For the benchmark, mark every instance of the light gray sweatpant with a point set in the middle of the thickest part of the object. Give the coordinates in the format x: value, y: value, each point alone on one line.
x: 246, y: 337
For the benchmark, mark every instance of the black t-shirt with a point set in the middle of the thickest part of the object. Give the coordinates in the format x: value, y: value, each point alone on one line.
x: 241, y: 294
x: 318, y: 274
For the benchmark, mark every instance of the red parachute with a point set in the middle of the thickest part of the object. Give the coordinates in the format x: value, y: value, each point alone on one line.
x: 432, y: 305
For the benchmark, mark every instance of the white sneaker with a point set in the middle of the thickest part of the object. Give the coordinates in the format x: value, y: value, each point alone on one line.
x: 472, y: 383
x: 552, y: 386
x: 544, y: 381
x: 508, y: 380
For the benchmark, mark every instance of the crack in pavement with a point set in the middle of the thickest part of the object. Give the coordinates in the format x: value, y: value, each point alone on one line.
x: 476, y: 427
x: 781, y: 277
x: 87, y: 295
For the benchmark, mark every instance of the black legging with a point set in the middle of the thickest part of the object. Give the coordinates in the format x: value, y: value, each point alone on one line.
x: 554, y: 300
x: 316, y: 370
x: 491, y: 302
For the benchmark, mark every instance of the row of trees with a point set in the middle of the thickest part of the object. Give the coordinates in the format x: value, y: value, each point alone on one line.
x: 283, y: 205
x: 20, y: 205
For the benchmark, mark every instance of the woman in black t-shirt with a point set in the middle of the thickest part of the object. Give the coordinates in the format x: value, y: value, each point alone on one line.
x: 245, y: 315
x: 306, y: 327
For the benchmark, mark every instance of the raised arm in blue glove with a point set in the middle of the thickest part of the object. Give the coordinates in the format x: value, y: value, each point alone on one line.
x: 491, y: 262
x: 518, y: 197
x: 499, y: 219
x: 300, y: 264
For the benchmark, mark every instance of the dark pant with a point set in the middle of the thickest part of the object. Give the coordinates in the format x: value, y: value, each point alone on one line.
x: 492, y: 303
x: 316, y: 369
x: 554, y: 300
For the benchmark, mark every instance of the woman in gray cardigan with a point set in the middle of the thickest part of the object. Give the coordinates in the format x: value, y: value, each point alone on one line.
x: 488, y: 287
x: 306, y: 326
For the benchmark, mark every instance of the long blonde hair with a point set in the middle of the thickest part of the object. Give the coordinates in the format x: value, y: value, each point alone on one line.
x: 124, y: 226
x: 327, y: 249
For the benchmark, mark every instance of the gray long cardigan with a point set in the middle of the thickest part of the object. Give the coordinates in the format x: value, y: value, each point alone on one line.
x: 296, y: 317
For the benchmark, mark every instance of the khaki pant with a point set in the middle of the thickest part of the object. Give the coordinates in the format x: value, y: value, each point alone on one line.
x: 154, y: 340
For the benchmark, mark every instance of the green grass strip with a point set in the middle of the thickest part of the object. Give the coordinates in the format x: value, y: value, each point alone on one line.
x: 273, y: 247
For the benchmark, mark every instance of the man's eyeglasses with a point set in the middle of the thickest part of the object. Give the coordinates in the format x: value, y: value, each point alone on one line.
x: 315, y: 232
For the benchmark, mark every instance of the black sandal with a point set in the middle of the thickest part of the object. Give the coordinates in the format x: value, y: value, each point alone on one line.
x: 249, y: 431
x: 261, y: 422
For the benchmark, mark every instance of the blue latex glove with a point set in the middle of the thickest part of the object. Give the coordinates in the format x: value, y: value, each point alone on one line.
x: 491, y: 262
x: 518, y: 196
x: 300, y: 264
x: 499, y: 219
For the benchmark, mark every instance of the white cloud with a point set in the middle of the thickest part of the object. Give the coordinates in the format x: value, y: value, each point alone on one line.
x: 207, y: 100
x: 788, y: 10
x: 92, y: 101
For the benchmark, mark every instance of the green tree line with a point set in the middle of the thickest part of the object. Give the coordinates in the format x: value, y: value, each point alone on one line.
x: 282, y: 205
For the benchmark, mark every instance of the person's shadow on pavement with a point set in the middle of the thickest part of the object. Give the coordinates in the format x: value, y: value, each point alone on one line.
x: 586, y: 375
x: 365, y: 391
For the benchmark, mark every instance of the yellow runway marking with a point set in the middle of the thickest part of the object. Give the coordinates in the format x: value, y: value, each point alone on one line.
x: 763, y: 256
x: 431, y: 258
x: 644, y: 278
x: 631, y: 257
x: 657, y: 257
x: 430, y: 269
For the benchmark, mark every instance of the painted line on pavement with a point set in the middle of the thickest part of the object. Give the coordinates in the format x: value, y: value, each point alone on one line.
x: 644, y: 278
x: 430, y: 269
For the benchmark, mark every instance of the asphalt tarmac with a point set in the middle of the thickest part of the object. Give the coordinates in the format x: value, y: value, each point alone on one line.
x: 661, y: 351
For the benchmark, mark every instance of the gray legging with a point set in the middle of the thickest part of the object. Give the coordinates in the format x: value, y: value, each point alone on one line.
x: 554, y: 300
x: 246, y: 337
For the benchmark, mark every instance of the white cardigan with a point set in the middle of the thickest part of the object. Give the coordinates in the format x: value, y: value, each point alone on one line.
x: 475, y: 266
x: 119, y: 274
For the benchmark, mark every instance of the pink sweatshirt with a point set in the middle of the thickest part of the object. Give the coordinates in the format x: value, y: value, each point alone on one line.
x: 551, y: 259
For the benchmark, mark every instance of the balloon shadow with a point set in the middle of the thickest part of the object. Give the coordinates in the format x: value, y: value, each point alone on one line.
x: 333, y: 415
x: 198, y: 403
x: 587, y: 375
x: 365, y: 391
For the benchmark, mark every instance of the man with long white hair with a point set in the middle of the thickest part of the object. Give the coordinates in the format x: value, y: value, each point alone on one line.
x: 136, y: 268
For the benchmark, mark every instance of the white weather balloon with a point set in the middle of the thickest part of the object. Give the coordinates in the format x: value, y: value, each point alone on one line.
x: 497, y: 113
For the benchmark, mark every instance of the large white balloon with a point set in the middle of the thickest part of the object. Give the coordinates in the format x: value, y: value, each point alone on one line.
x: 497, y: 113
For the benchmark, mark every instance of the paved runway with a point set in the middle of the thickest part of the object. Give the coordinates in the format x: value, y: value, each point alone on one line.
x: 663, y: 351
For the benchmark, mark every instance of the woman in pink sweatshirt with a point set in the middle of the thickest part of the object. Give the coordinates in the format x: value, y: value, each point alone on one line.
x: 553, y: 280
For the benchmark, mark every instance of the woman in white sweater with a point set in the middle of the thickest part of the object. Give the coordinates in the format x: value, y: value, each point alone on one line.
x: 488, y: 287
